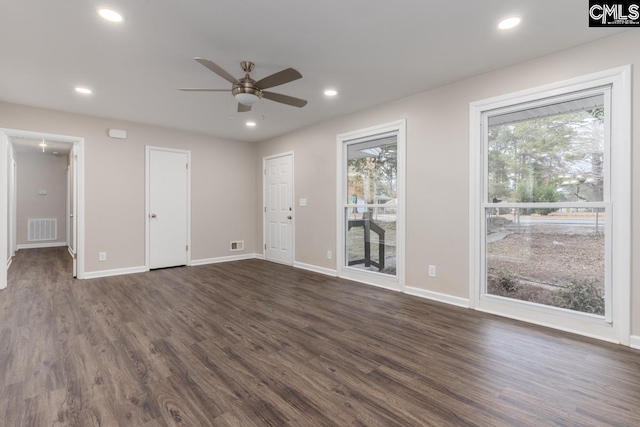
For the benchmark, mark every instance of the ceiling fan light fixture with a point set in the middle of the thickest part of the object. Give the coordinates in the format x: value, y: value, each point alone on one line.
x: 330, y: 92
x: 246, y: 98
x: 251, y: 124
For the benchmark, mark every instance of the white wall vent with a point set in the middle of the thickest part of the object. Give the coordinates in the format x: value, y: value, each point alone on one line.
x: 41, y: 229
x: 237, y: 246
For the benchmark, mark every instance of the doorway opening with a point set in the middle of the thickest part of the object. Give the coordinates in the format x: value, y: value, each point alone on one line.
x: 44, y: 196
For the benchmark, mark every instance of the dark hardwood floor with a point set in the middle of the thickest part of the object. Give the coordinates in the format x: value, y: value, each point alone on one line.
x: 252, y: 343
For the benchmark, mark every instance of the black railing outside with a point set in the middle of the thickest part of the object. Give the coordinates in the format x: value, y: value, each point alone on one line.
x: 368, y: 225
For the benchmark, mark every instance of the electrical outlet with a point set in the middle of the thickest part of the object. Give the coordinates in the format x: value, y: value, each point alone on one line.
x: 329, y: 254
x: 432, y: 271
x: 102, y: 256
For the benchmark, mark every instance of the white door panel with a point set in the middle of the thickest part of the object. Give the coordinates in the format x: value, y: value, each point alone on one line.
x: 168, y: 208
x: 279, y: 209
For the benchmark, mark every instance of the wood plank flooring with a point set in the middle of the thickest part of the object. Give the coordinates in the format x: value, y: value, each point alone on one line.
x: 252, y: 343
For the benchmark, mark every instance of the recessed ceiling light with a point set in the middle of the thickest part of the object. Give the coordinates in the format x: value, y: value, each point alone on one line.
x: 509, y: 23
x: 251, y: 124
x: 331, y: 92
x: 110, y: 15
x: 83, y: 90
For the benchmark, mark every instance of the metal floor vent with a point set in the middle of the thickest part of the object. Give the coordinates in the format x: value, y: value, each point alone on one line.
x: 237, y: 245
x: 41, y: 229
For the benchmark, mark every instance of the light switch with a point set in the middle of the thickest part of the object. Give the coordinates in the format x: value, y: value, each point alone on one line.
x: 303, y: 202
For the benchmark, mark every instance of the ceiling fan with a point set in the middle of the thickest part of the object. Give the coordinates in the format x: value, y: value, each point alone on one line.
x: 248, y: 91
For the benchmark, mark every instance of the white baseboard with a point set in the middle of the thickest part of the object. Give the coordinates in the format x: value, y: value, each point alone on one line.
x: 635, y: 342
x: 259, y: 256
x: 41, y: 245
x: 549, y: 325
x: 315, y: 268
x: 114, y: 272
x: 436, y: 296
x: 9, y: 261
x: 217, y: 260
x: 70, y: 251
x: 393, y: 287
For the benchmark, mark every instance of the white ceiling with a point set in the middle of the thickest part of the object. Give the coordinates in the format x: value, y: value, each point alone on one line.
x: 32, y: 146
x: 371, y: 51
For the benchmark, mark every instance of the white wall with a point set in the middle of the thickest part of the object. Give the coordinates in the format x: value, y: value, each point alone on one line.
x: 41, y: 172
x: 223, y: 181
x: 437, y: 165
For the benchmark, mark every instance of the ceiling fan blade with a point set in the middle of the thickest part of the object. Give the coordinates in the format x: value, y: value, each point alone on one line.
x: 243, y: 108
x: 280, y: 78
x: 217, y: 69
x: 285, y: 99
x: 202, y: 89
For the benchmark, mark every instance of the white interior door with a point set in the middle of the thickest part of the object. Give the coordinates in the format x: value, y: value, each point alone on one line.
x: 168, y: 200
x: 278, y: 218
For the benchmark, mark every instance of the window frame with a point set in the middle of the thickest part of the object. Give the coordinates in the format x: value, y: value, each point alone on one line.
x: 343, y: 269
x: 615, y: 325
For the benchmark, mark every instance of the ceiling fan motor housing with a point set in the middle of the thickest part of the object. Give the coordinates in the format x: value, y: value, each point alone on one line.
x: 246, y: 86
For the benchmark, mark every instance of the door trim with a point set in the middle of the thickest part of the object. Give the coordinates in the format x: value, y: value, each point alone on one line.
x: 147, y: 234
x: 79, y: 146
x: 13, y: 209
x: 293, y: 204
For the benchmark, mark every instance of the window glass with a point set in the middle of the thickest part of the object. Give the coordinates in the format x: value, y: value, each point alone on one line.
x: 553, y: 158
x: 372, y: 171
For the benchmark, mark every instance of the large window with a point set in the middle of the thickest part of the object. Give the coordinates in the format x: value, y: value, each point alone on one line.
x: 370, y: 203
x: 550, y: 214
x: 547, y: 203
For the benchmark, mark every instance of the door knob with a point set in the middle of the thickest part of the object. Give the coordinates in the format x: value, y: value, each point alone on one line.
x: 153, y: 215
x: 289, y: 217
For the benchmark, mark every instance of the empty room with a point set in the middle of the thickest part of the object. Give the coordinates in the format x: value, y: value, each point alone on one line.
x: 288, y: 213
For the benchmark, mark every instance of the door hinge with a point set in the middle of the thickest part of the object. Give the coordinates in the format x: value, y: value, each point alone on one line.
x: 187, y: 247
x: 265, y: 171
x: 187, y: 166
x: 265, y: 208
x: 265, y: 246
